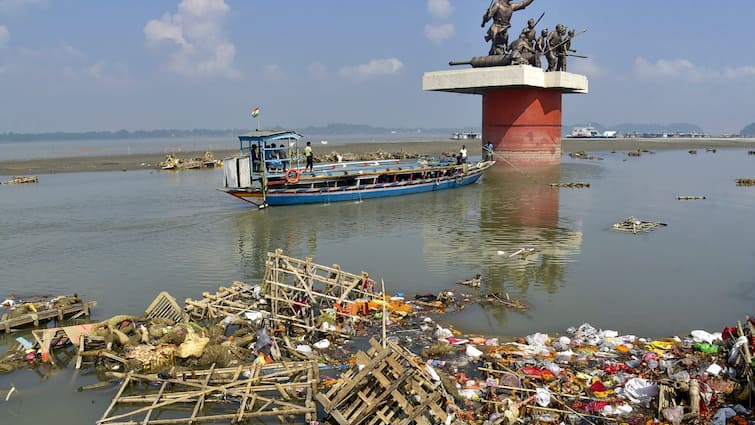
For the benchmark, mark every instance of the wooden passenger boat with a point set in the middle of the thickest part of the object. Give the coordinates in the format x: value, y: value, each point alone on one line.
x: 278, y: 177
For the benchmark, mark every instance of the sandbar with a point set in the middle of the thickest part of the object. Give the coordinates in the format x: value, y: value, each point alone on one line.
x: 151, y: 161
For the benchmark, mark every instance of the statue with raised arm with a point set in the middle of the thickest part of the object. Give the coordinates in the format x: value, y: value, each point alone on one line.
x: 500, y: 12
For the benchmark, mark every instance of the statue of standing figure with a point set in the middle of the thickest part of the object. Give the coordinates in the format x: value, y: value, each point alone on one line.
x: 554, y: 43
x: 541, y: 46
x: 564, y: 50
x: 500, y: 12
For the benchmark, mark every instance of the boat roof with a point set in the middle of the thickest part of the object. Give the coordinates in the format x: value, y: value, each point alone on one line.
x: 269, y: 135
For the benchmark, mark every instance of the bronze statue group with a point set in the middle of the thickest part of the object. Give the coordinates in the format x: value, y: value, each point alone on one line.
x: 528, y: 48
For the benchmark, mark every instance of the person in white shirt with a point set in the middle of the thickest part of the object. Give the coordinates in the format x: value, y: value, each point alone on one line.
x: 463, y: 152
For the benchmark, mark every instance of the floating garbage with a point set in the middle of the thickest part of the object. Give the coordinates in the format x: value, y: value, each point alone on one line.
x: 42, y: 309
x: 580, y: 155
x: 22, y: 180
x: 633, y: 225
x: 689, y: 197
x: 473, y: 282
x: 745, y: 182
x: 229, y: 357
x: 574, y: 185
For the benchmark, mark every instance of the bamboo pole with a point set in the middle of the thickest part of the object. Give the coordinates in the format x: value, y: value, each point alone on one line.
x: 382, y: 284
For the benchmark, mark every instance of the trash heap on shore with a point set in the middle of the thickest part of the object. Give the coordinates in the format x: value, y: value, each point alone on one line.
x: 174, y: 163
x: 315, y: 344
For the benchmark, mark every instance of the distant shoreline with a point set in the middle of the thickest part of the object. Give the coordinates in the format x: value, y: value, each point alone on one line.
x: 150, y: 161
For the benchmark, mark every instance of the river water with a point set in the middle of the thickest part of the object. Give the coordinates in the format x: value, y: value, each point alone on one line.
x: 122, y: 237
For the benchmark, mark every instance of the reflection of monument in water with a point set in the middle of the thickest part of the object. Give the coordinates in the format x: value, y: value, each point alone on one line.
x: 515, y: 211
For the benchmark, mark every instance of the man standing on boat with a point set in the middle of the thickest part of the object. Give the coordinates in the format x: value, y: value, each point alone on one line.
x: 463, y: 153
x: 310, y: 157
x: 488, y: 150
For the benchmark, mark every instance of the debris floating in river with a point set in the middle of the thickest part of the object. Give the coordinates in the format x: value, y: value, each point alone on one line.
x: 580, y: 155
x: 690, y: 197
x: 221, y: 363
x: 42, y: 310
x: 745, y: 182
x: 633, y: 225
x: 575, y: 185
x: 22, y: 179
x: 472, y: 283
x: 504, y: 300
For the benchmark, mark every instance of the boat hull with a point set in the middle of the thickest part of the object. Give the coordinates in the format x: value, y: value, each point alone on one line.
x: 354, y: 193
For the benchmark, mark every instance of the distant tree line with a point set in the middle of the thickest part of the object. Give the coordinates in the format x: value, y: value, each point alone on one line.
x: 334, y: 128
x: 121, y: 134
x: 748, y: 131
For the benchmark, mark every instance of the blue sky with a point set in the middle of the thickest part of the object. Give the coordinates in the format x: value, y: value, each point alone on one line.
x: 78, y: 65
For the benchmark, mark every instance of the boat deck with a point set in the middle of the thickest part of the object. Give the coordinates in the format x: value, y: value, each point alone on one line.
x: 358, y: 168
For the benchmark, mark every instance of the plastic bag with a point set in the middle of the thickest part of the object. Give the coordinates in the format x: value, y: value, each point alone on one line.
x: 639, y: 390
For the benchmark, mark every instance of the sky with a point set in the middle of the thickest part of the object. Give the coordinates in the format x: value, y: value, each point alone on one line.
x: 92, y: 65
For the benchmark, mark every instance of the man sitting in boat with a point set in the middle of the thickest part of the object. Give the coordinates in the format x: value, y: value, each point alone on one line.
x: 271, y: 158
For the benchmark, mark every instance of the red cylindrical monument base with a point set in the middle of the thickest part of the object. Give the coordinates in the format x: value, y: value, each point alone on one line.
x: 524, y: 125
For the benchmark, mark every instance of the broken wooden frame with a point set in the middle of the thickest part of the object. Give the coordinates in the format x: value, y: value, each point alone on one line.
x: 231, y: 395
x: 165, y: 306
x: 56, y: 337
x: 298, y: 289
x: 233, y: 301
x: 54, y: 313
x: 385, y: 386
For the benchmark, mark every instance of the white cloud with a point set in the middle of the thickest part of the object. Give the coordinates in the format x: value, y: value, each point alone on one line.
x: 670, y: 68
x: 586, y: 66
x: 373, y: 68
x: 742, y: 71
x: 439, y: 33
x: 195, y: 32
x: 4, y: 35
x: 440, y: 8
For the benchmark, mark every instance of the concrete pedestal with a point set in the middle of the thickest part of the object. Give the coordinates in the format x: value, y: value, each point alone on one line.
x: 521, y: 108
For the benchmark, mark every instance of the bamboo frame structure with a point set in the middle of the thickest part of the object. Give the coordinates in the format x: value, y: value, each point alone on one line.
x: 385, y: 386
x: 231, y: 395
x: 299, y: 289
x: 233, y: 301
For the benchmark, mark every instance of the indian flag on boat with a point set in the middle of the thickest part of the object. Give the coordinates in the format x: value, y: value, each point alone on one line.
x: 255, y: 112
